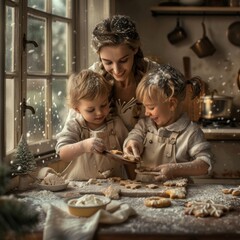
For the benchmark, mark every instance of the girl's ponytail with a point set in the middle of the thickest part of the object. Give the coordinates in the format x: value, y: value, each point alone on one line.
x: 195, y: 86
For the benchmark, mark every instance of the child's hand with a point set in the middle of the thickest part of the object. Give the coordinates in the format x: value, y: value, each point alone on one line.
x: 93, y: 145
x: 166, y: 171
x: 134, y: 148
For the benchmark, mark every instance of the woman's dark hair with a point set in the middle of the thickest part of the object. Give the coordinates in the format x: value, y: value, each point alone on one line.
x: 116, y: 30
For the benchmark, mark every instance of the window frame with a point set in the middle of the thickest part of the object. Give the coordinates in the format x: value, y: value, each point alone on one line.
x: 2, y: 82
x: 46, y: 147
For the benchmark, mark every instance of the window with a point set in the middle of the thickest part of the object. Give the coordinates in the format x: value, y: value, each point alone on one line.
x: 39, y: 47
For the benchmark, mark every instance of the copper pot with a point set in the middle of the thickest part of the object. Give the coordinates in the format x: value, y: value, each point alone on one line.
x: 238, y: 79
x: 216, y: 106
x: 203, y: 47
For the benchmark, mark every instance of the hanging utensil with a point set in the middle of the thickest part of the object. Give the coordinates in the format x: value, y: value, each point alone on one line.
x: 177, y: 35
x: 203, y: 47
x: 233, y: 33
x: 238, y: 79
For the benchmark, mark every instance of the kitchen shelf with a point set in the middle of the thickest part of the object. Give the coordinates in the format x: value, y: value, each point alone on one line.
x: 192, y: 11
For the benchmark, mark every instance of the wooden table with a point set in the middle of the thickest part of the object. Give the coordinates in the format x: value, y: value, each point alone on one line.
x: 171, y: 223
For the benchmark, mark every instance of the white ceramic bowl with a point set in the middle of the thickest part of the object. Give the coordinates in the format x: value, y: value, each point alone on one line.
x: 88, y: 210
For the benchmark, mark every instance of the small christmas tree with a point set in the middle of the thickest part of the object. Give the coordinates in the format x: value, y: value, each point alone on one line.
x: 15, y: 216
x: 24, y: 161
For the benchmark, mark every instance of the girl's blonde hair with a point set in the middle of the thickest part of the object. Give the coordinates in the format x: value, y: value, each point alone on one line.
x: 87, y: 85
x: 165, y: 82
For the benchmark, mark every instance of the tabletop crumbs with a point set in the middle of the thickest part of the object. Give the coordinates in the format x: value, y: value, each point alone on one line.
x: 39, y: 197
x: 173, y: 219
x: 163, y: 220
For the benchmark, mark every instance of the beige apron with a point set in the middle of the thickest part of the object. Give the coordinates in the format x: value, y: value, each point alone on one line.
x: 157, y: 150
x: 93, y: 165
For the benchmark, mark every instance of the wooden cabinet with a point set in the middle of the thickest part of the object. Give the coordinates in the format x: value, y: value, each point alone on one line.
x: 194, y: 11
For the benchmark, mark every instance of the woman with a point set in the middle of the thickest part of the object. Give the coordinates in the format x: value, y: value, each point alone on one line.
x: 117, y: 43
x: 121, y: 62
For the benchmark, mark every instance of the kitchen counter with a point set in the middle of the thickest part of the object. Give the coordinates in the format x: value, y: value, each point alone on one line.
x: 221, y: 133
x: 152, y: 223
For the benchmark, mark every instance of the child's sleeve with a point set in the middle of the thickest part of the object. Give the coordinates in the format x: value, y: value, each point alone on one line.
x: 200, y: 148
x: 138, y: 133
x: 71, y: 133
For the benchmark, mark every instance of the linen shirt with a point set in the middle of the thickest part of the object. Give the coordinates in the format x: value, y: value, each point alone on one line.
x: 190, y: 144
x: 89, y: 165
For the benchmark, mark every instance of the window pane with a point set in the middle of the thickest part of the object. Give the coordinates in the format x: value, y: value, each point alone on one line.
x: 61, y: 7
x: 9, y: 116
x: 59, y: 47
x: 36, y: 91
x: 36, y: 55
x: 37, y: 4
x: 59, y: 108
x: 9, y: 39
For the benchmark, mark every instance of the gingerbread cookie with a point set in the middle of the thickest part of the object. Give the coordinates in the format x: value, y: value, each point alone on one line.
x: 233, y: 191
x: 125, y: 182
x: 115, y: 151
x: 115, y: 179
x: 112, y: 192
x: 152, y: 186
x: 130, y: 184
x: 178, y: 182
x: 129, y: 158
x: 178, y: 193
x: 157, y: 202
x: 133, y: 185
x: 206, y: 208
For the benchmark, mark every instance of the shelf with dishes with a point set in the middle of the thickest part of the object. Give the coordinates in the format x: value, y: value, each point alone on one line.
x: 194, y: 10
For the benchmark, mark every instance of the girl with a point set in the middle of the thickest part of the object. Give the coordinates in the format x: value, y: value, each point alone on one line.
x: 90, y: 130
x: 166, y: 140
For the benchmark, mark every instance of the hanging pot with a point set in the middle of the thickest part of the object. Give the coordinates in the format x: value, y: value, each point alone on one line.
x: 233, y: 33
x: 203, y: 47
x: 177, y: 35
x: 238, y: 79
x: 216, y: 106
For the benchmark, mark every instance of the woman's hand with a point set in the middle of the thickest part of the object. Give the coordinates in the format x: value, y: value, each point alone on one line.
x: 133, y: 148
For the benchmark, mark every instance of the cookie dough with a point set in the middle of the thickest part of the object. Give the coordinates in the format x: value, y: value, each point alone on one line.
x: 157, y: 202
